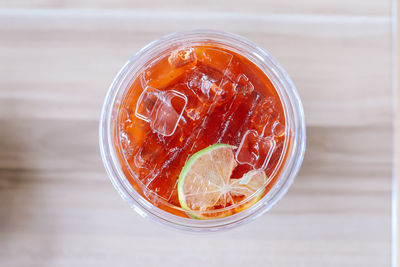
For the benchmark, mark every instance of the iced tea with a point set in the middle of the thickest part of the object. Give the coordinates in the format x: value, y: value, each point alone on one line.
x: 189, y: 99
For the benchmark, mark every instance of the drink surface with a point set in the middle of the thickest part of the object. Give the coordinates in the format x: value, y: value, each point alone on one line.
x: 187, y: 100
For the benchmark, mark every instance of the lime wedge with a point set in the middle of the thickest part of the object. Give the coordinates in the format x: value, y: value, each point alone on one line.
x: 205, y: 184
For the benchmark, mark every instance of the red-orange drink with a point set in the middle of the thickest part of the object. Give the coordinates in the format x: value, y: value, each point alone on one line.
x: 191, y: 98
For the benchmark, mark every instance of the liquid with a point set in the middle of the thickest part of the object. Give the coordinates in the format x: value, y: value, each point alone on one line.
x: 187, y: 100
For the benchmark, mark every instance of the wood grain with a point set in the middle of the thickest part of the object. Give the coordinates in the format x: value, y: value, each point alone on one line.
x: 57, y: 207
x: 313, y: 7
x: 396, y: 169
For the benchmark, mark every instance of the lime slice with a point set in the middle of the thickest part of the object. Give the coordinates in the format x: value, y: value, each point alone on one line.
x: 205, y: 183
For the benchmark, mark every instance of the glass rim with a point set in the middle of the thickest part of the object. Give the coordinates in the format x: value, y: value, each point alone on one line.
x: 294, y: 117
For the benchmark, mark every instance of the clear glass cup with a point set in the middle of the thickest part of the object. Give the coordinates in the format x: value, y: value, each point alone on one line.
x: 293, y: 111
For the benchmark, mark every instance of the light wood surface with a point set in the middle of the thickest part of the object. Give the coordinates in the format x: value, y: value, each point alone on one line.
x: 57, y: 206
x: 396, y: 172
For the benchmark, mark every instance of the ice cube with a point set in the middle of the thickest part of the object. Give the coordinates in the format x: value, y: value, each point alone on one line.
x: 200, y: 83
x: 214, y: 58
x: 278, y: 129
x: 162, y: 109
x: 165, y: 118
x: 264, y: 115
x: 193, y: 113
x: 244, y: 86
x: 182, y: 57
x: 236, y: 118
x: 255, y: 150
x: 140, y: 159
x: 147, y: 102
x: 196, y: 102
x: 203, y: 93
x: 160, y: 73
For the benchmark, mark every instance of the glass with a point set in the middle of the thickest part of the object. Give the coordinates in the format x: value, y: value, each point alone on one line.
x: 170, y: 112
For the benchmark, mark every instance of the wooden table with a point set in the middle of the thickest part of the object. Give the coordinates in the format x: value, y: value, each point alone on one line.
x: 57, y: 206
